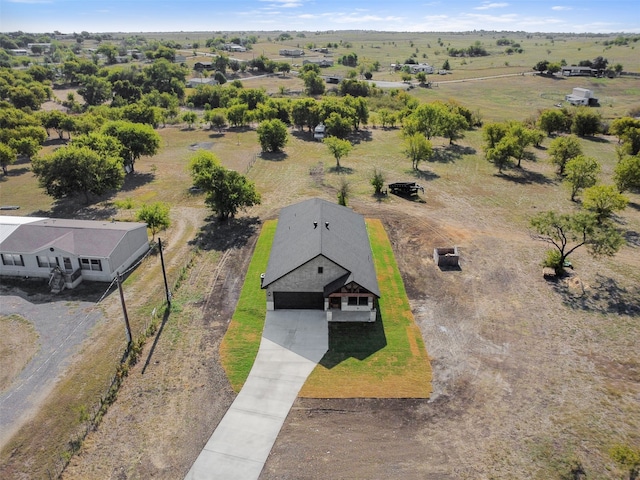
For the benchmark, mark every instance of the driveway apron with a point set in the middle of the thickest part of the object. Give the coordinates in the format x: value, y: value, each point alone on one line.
x: 293, y: 342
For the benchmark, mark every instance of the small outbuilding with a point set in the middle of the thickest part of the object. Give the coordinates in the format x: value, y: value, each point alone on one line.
x: 321, y: 259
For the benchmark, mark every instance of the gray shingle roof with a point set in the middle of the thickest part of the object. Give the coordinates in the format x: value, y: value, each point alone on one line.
x: 79, y: 237
x: 340, y: 235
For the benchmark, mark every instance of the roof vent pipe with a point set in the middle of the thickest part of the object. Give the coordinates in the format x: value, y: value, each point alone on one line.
x: 326, y: 224
x: 315, y: 225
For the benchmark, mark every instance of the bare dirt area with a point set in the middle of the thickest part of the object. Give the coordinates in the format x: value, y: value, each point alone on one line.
x: 18, y: 343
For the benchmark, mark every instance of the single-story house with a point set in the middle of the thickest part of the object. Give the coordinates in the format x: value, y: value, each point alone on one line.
x: 321, y: 62
x: 581, y: 96
x: 234, y: 47
x: 71, y: 250
x: 203, y: 66
x: 419, y: 67
x: 291, y: 52
x: 575, y: 71
x: 319, y: 132
x: 321, y: 259
x: 196, y: 82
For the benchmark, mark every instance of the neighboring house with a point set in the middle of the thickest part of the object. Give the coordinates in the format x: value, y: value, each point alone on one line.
x: 234, y: 47
x: 419, y: 67
x: 291, y: 52
x: 321, y: 62
x: 581, y: 96
x: 72, y: 250
x: 203, y: 66
x: 321, y: 259
x: 196, y: 82
x: 574, y: 71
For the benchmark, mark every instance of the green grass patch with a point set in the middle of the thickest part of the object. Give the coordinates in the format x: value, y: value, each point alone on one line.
x: 386, y: 359
x: 240, y: 344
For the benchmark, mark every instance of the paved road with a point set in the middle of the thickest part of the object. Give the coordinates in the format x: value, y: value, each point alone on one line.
x: 62, y: 325
x: 293, y: 342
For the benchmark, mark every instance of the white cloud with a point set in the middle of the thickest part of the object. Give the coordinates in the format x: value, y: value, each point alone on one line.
x: 560, y: 8
x: 487, y: 6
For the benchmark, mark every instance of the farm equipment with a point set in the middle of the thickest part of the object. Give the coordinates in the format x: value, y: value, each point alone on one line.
x: 405, y: 188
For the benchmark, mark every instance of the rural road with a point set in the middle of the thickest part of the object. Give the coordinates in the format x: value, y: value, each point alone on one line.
x: 62, y: 325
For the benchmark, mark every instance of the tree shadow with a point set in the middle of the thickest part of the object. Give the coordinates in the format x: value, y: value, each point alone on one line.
x: 450, y: 153
x: 632, y: 238
x: 605, y: 296
x: 425, y: 175
x: 14, y: 172
x: 274, y: 156
x: 304, y: 135
x: 99, y: 208
x: 634, y: 205
x: 357, y: 340
x: 341, y: 170
x: 595, y: 139
x: 360, y: 136
x: 136, y: 179
x: 222, y: 235
x: 525, y: 177
x: 216, y: 135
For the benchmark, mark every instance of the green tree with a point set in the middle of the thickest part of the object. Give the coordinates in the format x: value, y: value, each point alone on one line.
x: 338, y: 126
x: 272, y: 135
x: 582, y: 172
x: 226, y: 191
x: 8, y: 156
x: 492, y: 133
x: 190, y: 118
x: 338, y: 147
x: 71, y: 170
x: 95, y: 90
x: 452, y: 125
x: 585, y: 122
x: 563, y: 149
x: 553, y: 121
x: 156, y: 216
x: 313, y: 83
x: 499, y: 155
x: 603, y: 200
x: 237, y: 114
x: 417, y: 149
x: 568, y: 232
x: 216, y: 118
x: 377, y: 181
x: 627, y: 173
x: 137, y: 140
x: 101, y: 143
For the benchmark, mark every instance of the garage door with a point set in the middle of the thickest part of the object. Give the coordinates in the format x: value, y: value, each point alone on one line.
x: 298, y: 300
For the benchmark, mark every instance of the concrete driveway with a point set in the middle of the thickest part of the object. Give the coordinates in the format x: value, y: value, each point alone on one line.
x: 293, y: 342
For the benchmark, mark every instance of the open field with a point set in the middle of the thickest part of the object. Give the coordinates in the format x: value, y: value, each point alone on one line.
x: 530, y: 378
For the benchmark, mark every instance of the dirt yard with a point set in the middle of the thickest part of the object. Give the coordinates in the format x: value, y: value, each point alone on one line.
x: 532, y: 379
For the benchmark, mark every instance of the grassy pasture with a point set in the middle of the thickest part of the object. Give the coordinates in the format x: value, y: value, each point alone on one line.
x: 593, y: 403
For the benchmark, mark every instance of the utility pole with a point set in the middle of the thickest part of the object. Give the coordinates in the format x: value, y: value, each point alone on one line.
x: 164, y: 274
x: 124, y: 310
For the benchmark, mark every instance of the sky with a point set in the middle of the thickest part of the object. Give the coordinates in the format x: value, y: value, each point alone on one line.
x: 69, y: 16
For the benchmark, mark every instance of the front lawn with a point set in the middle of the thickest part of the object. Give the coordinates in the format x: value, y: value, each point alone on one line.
x: 386, y: 359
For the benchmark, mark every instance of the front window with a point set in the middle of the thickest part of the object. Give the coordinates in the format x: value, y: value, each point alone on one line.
x: 363, y: 301
x: 12, y: 259
x: 91, y: 264
x: 352, y: 301
x: 47, y: 262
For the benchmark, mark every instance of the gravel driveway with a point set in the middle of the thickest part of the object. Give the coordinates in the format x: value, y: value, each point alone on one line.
x: 62, y: 323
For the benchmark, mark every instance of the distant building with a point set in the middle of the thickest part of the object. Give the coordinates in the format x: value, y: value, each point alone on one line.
x: 203, y: 66
x: 196, y: 82
x: 574, y: 71
x: 581, y: 96
x: 321, y: 62
x: 291, y: 52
